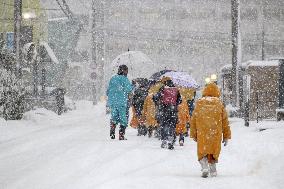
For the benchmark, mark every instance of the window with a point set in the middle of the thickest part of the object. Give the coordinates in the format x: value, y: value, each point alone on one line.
x: 272, y: 14
x: 249, y: 14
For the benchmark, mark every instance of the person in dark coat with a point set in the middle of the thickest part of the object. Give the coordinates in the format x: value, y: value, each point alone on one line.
x: 168, y: 99
x: 138, y: 100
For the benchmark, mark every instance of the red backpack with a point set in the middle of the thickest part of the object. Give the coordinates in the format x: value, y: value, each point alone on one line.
x: 169, y: 96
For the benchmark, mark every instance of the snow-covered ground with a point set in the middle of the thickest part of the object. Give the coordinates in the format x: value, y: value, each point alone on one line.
x: 74, y: 151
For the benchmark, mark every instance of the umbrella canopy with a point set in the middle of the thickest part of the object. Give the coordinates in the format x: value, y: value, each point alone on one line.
x: 139, y: 65
x: 182, y: 79
x: 156, y: 76
x: 141, y: 81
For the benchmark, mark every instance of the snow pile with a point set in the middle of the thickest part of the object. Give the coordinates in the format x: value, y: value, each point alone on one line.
x: 232, y: 111
x: 69, y: 103
x: 74, y: 151
x: 39, y: 115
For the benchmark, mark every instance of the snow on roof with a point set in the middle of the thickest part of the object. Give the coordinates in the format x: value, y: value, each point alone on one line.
x: 50, y: 52
x: 227, y: 66
x: 277, y: 58
x: 262, y: 63
x: 250, y: 63
x: 57, y: 19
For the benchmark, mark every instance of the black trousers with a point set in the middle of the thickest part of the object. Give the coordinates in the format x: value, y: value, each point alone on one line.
x: 168, y: 122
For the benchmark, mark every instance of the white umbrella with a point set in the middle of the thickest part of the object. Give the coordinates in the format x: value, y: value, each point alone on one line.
x: 139, y: 65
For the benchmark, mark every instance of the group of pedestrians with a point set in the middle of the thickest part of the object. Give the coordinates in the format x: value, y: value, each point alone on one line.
x: 168, y: 109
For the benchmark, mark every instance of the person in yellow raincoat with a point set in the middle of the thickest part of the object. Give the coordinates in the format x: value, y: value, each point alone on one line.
x: 208, y: 127
x: 150, y: 109
x: 188, y: 95
x: 183, y: 120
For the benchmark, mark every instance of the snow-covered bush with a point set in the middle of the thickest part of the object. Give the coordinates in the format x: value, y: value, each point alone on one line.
x: 232, y: 111
x: 11, y: 92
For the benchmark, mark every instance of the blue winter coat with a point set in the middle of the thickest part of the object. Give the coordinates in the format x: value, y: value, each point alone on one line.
x: 118, y: 90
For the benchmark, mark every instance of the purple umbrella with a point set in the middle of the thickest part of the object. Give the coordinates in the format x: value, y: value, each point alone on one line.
x: 182, y: 79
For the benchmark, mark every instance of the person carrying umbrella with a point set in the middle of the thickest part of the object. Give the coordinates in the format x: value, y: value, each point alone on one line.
x: 150, y: 109
x: 168, y: 99
x: 118, y: 93
x: 183, y: 120
x: 208, y: 126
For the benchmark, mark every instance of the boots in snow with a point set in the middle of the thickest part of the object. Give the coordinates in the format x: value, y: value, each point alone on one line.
x: 144, y: 130
x: 204, y: 167
x: 122, y: 133
x: 112, y: 130
x: 140, y: 130
x: 164, y: 144
x: 170, y: 146
x: 181, y: 139
x: 212, y: 169
x: 150, y: 132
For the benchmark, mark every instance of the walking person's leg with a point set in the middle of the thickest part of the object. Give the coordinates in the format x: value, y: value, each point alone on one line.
x: 123, y: 122
x: 113, y: 121
x: 164, y: 131
x: 181, y: 139
x: 172, y: 121
x: 204, y: 166
x: 212, y: 165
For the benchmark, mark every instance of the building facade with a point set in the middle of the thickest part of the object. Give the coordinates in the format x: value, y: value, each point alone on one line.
x: 33, y: 26
x: 192, y: 33
x: 185, y: 35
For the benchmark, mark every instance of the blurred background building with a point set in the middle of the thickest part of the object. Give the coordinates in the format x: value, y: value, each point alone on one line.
x: 186, y: 35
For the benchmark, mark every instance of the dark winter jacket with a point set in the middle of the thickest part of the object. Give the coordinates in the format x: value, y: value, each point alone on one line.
x: 138, y: 99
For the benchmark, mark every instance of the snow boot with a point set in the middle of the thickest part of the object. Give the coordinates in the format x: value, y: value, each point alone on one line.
x: 144, y: 130
x: 112, y: 130
x: 164, y: 144
x: 139, y: 130
x: 212, y: 169
x: 204, y: 167
x: 171, y: 140
x: 181, y: 139
x: 150, y: 132
x: 122, y: 133
x: 170, y: 146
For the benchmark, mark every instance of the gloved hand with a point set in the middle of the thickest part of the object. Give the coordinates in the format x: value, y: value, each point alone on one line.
x: 195, y: 139
x: 225, y: 141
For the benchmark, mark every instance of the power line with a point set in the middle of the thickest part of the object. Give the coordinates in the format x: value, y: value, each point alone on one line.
x: 66, y: 10
x: 11, y: 5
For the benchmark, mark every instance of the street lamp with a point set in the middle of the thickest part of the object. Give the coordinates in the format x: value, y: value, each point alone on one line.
x: 213, y: 78
x: 207, y: 80
x: 29, y: 15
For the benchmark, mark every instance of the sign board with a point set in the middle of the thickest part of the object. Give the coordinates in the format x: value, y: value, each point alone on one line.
x: 93, y: 75
x: 10, y: 40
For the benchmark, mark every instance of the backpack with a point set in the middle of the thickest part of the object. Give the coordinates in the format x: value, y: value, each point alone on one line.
x: 169, y: 96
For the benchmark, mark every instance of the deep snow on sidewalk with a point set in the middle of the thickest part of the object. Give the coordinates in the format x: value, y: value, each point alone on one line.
x: 74, y: 151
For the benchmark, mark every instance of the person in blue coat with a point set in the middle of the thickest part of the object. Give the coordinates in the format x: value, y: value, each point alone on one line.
x: 118, y: 92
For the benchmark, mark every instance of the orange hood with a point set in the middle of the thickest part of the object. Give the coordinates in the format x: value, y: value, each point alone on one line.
x: 211, y: 89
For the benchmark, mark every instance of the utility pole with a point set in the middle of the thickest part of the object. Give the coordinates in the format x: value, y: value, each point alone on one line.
x: 17, y: 33
x: 98, y: 48
x: 262, y: 33
x: 236, y: 50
